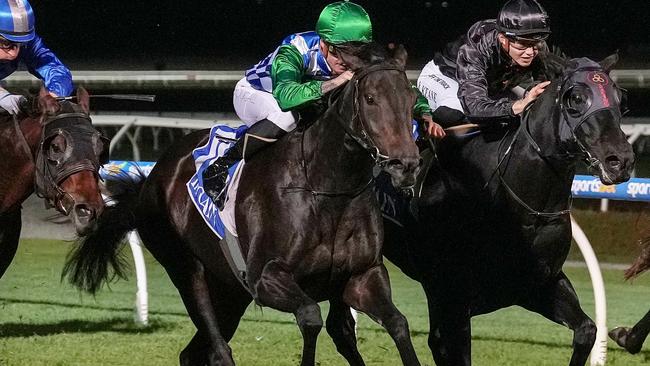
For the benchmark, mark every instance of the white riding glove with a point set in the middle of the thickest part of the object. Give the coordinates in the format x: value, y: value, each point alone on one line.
x: 10, y: 102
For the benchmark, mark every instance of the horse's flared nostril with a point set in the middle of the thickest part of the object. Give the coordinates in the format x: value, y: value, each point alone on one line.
x: 614, y: 162
x: 395, y: 164
x: 84, y: 212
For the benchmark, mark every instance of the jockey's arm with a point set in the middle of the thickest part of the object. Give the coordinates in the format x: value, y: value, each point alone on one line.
x: 43, y: 63
x: 288, y: 87
x: 422, y: 113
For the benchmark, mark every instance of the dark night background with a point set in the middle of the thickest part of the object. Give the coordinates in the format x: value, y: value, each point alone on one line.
x: 192, y: 34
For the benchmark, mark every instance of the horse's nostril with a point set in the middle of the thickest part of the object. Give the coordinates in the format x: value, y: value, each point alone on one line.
x: 395, y: 164
x: 420, y: 162
x: 613, y: 162
x: 83, y: 211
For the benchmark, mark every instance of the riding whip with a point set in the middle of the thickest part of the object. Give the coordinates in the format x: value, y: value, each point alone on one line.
x: 138, y: 97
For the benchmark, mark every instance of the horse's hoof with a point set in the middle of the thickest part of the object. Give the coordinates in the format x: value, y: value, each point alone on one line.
x: 620, y: 336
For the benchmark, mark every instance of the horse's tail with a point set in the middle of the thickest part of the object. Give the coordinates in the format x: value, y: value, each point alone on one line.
x: 97, y: 256
x: 642, y: 262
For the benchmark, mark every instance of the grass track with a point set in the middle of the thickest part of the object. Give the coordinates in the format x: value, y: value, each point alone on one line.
x: 45, y: 322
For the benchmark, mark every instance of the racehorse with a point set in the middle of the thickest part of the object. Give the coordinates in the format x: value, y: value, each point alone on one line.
x: 493, y: 227
x: 632, y: 338
x: 306, y: 217
x: 53, y: 149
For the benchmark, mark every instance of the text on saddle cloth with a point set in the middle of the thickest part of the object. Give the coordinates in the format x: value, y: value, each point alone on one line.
x: 221, y: 138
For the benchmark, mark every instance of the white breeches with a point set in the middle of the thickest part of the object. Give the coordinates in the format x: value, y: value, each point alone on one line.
x: 252, y: 105
x: 439, y: 89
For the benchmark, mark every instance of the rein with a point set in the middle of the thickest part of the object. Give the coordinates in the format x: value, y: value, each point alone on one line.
x: 364, y: 139
x: 497, y: 171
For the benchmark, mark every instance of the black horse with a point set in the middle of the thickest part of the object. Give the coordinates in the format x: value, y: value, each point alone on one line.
x: 493, y: 227
x: 52, y: 148
x: 632, y: 338
x: 306, y: 217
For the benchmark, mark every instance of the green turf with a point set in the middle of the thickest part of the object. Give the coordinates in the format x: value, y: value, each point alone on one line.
x: 45, y: 322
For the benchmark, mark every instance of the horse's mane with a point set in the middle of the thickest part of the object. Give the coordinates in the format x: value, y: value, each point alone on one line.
x: 554, y: 66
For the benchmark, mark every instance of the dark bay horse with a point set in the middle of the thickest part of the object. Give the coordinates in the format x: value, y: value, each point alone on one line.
x: 493, y: 226
x: 306, y: 217
x: 632, y: 338
x: 52, y: 149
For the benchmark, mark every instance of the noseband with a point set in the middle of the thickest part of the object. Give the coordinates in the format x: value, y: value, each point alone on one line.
x: 86, y: 149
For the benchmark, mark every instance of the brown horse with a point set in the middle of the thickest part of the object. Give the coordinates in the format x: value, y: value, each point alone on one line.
x: 50, y: 148
x: 632, y: 338
x: 307, y: 219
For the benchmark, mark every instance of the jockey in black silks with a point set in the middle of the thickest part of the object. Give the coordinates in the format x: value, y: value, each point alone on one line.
x: 495, y: 70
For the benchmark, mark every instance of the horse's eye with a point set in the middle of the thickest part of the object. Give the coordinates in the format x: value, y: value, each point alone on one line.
x: 56, y: 149
x: 578, y: 101
x: 370, y: 99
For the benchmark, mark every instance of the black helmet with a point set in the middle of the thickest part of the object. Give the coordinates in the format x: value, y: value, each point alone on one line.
x: 523, y: 19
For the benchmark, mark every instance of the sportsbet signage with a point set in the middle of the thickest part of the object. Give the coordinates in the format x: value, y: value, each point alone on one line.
x: 586, y: 186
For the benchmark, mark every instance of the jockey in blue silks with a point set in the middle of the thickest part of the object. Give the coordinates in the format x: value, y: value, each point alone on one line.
x: 19, y: 43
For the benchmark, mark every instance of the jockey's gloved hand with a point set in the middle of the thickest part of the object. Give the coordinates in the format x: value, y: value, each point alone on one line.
x: 11, y: 102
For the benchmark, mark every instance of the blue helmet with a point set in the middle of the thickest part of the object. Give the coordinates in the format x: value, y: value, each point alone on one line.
x: 16, y: 20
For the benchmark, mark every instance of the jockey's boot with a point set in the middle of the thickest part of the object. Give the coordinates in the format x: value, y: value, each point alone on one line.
x: 259, y: 135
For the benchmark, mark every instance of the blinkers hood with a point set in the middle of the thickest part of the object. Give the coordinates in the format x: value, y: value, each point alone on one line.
x: 81, y: 148
x: 586, y: 90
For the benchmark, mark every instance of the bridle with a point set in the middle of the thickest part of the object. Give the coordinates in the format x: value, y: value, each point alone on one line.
x: 571, y: 120
x: 51, y: 171
x: 362, y: 138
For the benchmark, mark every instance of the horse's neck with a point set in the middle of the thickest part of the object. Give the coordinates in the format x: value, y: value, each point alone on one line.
x: 17, y: 149
x: 32, y: 131
x: 20, y: 137
x: 547, y: 173
x: 334, y: 161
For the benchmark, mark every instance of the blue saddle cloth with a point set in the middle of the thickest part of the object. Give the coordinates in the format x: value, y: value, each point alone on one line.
x: 221, y: 138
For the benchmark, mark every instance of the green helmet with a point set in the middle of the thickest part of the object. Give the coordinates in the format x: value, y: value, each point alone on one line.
x: 342, y: 22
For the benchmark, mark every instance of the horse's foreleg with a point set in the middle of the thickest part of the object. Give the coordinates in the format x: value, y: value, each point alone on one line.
x: 277, y: 288
x: 208, y: 345
x: 632, y: 339
x: 370, y: 293
x: 450, y: 333
x: 10, y: 224
x: 340, y: 326
x: 558, y: 302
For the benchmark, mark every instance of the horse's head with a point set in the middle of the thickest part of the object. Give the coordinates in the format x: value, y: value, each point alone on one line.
x: 382, y: 101
x: 70, y: 154
x: 591, y: 106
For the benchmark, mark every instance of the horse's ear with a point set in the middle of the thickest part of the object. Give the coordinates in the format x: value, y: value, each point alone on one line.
x: 399, y: 54
x: 83, y: 99
x: 608, y: 63
x: 46, y: 102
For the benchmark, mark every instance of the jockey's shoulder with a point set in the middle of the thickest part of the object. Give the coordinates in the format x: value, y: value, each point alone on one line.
x: 482, y: 29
